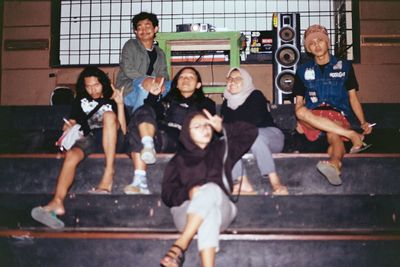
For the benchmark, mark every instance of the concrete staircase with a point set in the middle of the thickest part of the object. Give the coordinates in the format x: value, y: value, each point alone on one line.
x: 356, y: 224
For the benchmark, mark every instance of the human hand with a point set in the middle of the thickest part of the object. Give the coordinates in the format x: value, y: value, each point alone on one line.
x: 215, y: 121
x: 118, y: 95
x: 367, y: 127
x: 160, y: 81
x: 156, y: 86
x: 153, y: 85
x: 68, y: 124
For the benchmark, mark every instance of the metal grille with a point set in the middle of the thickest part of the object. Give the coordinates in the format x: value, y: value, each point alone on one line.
x: 93, y: 32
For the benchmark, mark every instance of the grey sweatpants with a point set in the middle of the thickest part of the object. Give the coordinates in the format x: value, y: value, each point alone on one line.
x: 269, y: 140
x: 217, y: 211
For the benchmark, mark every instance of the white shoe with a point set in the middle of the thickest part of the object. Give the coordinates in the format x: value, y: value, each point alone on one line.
x: 148, y: 155
x: 137, y: 187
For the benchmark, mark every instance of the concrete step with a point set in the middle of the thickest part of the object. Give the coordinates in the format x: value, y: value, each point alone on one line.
x: 137, y: 250
x: 314, y: 214
x: 361, y: 174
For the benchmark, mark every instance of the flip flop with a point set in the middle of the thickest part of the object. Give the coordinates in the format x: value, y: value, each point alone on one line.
x: 330, y: 172
x: 99, y: 191
x: 363, y: 147
x: 48, y: 218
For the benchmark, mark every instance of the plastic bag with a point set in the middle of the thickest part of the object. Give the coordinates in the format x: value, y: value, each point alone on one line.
x: 69, y: 137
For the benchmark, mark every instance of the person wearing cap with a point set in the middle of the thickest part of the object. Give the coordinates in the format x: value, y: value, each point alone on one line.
x: 326, y: 91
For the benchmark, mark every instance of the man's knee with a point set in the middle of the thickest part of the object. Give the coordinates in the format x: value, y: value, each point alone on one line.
x: 302, y: 113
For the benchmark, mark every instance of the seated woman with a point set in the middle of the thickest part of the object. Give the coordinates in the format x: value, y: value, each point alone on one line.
x: 245, y: 103
x: 156, y: 125
x: 99, y: 109
x: 196, y: 189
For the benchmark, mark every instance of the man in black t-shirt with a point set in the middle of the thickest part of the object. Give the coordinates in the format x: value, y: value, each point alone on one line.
x: 325, y: 89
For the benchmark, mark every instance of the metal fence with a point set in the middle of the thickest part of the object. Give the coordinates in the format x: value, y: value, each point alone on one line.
x: 93, y: 32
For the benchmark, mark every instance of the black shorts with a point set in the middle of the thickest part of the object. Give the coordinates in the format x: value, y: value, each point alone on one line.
x: 93, y: 142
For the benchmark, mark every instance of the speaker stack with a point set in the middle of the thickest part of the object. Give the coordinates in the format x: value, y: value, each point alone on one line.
x: 286, y: 55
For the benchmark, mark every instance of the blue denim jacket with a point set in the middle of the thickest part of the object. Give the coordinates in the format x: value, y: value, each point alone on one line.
x: 328, y: 87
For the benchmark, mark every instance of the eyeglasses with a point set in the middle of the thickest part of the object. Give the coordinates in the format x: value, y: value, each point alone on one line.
x: 200, y: 126
x: 234, y: 79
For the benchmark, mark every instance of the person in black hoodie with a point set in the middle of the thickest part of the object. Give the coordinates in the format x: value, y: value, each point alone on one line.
x: 197, y: 183
x: 156, y: 125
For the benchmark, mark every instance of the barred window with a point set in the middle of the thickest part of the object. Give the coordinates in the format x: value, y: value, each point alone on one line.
x: 93, y: 32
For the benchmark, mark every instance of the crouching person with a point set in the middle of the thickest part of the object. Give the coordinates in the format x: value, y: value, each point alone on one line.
x: 193, y: 184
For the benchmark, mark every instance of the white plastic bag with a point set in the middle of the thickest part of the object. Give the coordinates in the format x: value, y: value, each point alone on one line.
x: 69, y: 137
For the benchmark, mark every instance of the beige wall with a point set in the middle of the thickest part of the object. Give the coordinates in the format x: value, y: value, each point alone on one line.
x: 26, y: 74
x: 379, y: 69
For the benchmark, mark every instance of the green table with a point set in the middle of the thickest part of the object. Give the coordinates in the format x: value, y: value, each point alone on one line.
x: 201, y: 41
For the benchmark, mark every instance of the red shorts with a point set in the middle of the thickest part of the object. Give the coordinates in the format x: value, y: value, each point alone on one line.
x: 312, y: 134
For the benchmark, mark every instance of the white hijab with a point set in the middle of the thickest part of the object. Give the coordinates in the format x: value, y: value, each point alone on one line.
x: 235, y: 100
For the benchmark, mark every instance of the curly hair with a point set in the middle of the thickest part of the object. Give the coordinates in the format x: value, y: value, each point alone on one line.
x: 142, y: 16
x: 174, y: 93
x: 92, y: 71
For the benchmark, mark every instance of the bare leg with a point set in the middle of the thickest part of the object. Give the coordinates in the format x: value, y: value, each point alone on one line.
x: 208, y: 257
x: 245, y: 188
x: 146, y: 129
x: 192, y: 225
x: 138, y: 163
x: 110, y: 127
x: 277, y: 187
x: 64, y: 180
x: 336, y: 150
x: 326, y: 125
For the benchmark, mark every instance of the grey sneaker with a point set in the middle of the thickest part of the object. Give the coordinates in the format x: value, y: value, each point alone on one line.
x: 138, y: 186
x: 148, y: 155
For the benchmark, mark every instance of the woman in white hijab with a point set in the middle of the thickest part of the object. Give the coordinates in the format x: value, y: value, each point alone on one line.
x: 242, y: 102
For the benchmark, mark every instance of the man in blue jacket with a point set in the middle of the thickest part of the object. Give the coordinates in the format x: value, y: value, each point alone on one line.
x: 326, y: 92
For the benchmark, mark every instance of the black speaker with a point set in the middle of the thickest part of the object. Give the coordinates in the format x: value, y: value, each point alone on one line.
x: 286, y: 55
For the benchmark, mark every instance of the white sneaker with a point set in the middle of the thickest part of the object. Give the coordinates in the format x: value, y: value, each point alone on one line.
x: 148, y: 155
x: 138, y: 186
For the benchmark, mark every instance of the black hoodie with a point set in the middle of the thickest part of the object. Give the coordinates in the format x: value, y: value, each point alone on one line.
x: 192, y: 166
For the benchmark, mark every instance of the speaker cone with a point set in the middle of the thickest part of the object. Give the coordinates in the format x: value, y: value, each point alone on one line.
x: 285, y: 81
x: 287, y: 34
x: 287, y: 55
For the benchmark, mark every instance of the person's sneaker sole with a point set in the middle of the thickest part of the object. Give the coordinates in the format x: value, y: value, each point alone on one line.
x: 47, y: 218
x: 134, y: 190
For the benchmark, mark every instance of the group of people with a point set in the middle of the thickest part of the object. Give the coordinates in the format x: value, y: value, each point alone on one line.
x: 146, y: 113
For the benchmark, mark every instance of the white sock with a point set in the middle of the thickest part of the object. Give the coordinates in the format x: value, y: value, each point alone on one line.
x: 140, y: 178
x: 147, y: 141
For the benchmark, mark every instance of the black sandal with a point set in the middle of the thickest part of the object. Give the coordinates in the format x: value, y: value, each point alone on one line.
x: 172, y: 258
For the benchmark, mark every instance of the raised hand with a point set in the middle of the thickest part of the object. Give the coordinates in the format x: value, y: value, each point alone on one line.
x: 118, y: 95
x: 215, y: 121
x: 156, y: 86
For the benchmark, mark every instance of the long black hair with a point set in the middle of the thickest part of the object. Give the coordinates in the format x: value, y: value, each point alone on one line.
x: 92, y: 71
x: 174, y: 93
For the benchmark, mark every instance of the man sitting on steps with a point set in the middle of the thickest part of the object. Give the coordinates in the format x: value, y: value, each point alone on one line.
x: 325, y: 88
x: 142, y: 64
